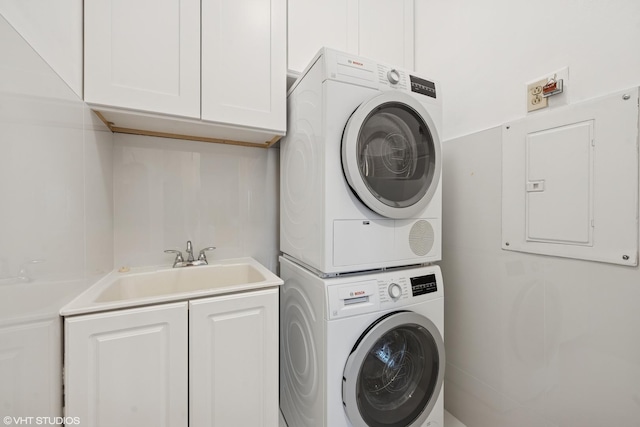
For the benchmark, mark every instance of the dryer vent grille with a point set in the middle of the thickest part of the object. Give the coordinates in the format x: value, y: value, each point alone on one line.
x: 421, y: 237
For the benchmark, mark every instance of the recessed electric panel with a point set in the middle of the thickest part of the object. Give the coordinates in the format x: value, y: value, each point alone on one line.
x: 570, y: 181
x: 559, y: 179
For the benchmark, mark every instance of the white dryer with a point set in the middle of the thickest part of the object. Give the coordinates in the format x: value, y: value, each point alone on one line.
x: 362, y: 350
x: 361, y: 166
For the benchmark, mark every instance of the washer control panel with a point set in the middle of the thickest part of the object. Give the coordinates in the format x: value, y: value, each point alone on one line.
x: 395, y: 291
x: 424, y: 284
x: 403, y: 288
x: 387, y: 290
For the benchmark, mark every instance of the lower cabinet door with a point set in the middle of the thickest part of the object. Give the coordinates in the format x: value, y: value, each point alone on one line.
x: 233, y: 360
x: 128, y: 367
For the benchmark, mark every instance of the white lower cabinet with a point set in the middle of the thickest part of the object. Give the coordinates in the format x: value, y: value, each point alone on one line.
x: 128, y: 367
x: 233, y: 356
x: 206, y: 362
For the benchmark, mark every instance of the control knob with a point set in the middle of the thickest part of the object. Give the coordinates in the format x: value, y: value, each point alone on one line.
x: 395, y: 291
x: 393, y: 76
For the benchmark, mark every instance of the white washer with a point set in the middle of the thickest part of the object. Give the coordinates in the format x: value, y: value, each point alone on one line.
x: 361, y: 166
x: 362, y: 350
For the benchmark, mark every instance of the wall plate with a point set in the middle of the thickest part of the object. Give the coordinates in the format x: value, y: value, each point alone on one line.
x: 570, y: 181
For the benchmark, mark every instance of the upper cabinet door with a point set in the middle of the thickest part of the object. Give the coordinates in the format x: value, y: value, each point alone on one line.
x: 244, y: 63
x: 381, y: 30
x: 143, y: 55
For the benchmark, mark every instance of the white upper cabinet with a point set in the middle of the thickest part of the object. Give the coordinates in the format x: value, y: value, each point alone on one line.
x: 212, y: 70
x: 143, y: 55
x: 382, y: 30
x: 244, y: 62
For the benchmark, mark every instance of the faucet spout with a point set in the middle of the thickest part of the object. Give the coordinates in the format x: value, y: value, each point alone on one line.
x: 190, y: 251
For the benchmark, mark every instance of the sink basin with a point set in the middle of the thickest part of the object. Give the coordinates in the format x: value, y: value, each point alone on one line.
x: 156, y: 285
x: 179, y: 280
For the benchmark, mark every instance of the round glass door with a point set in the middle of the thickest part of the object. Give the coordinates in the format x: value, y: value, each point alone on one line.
x: 391, y: 155
x: 394, y: 374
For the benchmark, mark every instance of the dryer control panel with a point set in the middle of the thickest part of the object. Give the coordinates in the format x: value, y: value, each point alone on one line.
x: 393, y: 77
x: 389, y: 290
x: 400, y: 79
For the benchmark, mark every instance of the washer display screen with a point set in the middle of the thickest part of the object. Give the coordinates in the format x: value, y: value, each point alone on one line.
x: 424, y: 284
x: 422, y: 86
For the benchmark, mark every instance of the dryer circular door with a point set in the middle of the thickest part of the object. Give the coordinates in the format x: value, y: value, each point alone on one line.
x: 394, y: 373
x: 391, y: 155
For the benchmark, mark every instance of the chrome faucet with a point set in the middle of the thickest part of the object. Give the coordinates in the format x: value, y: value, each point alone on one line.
x: 189, y: 251
x: 191, y: 261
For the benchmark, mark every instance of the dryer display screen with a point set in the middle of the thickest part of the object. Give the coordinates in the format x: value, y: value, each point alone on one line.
x: 422, y: 86
x: 423, y: 284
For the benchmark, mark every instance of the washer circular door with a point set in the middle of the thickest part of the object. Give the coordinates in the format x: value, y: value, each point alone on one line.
x: 394, y: 372
x: 391, y: 155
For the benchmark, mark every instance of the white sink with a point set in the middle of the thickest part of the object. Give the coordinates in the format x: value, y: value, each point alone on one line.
x: 156, y: 285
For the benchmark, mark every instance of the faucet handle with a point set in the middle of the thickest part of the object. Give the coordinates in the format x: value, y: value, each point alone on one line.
x: 202, y: 256
x: 178, y: 255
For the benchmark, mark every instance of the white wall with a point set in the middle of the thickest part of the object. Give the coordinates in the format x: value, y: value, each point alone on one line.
x: 483, y: 53
x: 531, y: 340
x: 169, y: 191
x: 54, y: 31
x: 56, y: 208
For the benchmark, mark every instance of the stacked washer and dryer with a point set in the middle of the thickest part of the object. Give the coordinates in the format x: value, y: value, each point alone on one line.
x: 362, y: 307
